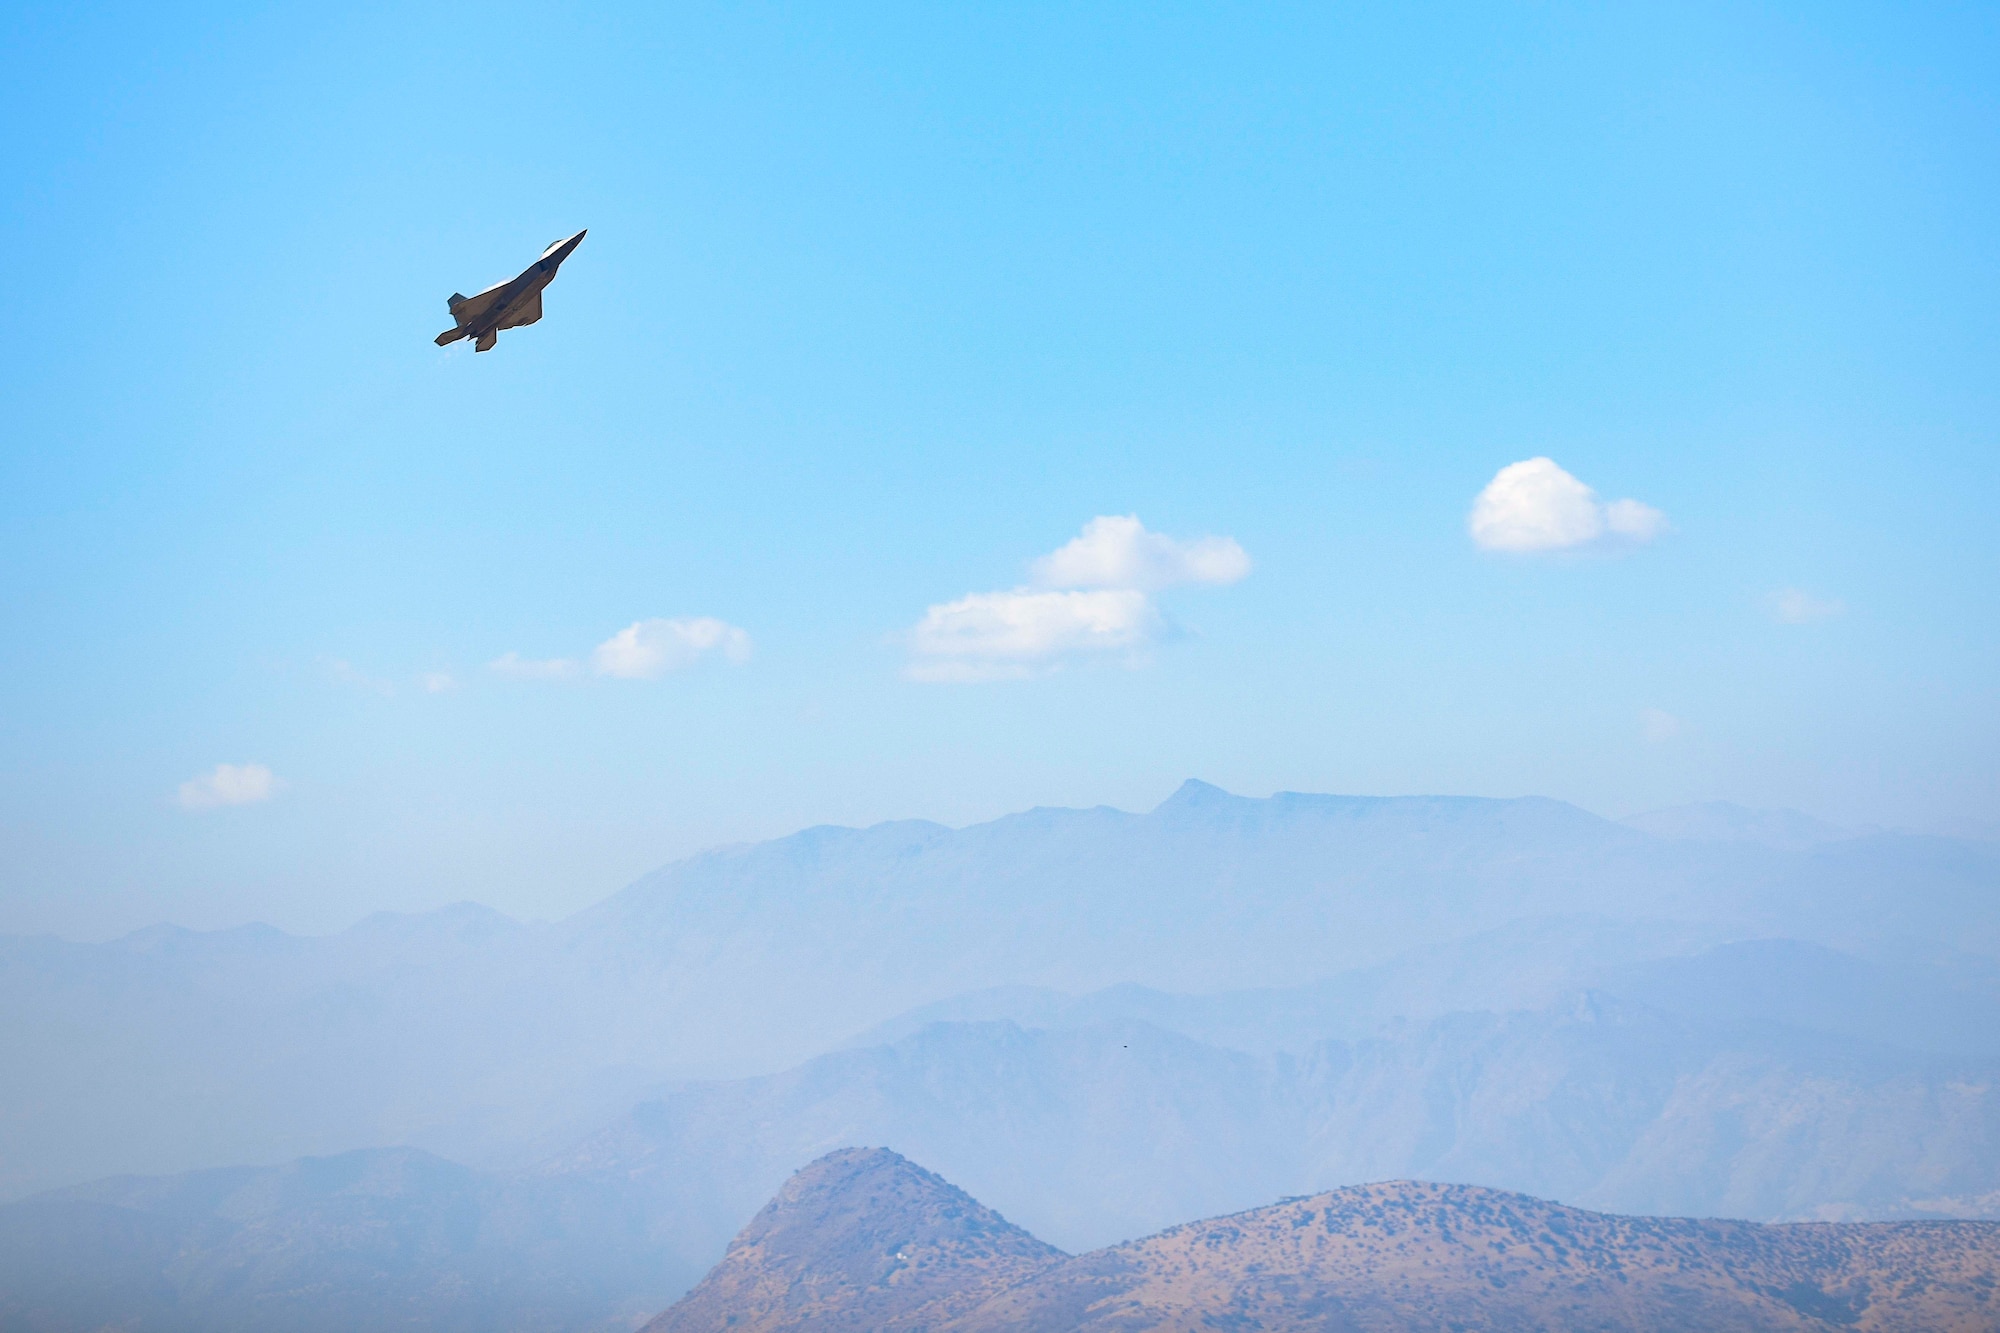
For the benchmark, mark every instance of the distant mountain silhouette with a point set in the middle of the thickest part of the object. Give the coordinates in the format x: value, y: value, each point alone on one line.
x: 1724, y: 821
x: 1756, y: 1079
x: 1101, y: 1022
x: 1094, y: 1127
x: 866, y: 1240
x: 380, y: 1238
x: 495, y: 1042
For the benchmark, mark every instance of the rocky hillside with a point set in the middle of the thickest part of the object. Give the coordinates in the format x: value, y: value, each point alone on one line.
x: 862, y: 1239
x: 1398, y: 1256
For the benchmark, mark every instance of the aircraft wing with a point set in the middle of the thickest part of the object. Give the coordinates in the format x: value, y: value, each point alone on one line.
x: 525, y: 311
x: 475, y: 308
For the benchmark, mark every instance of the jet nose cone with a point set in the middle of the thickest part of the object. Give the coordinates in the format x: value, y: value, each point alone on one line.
x: 559, y: 250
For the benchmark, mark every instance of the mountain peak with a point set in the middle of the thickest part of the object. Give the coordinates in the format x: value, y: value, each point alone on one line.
x: 1194, y: 794
x: 863, y: 1238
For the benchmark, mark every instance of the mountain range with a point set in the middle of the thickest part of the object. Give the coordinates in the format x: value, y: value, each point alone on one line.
x: 497, y: 1042
x: 1101, y: 1023
x: 1092, y: 1119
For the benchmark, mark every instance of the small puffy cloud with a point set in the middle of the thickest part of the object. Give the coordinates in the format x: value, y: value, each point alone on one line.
x: 1090, y: 599
x: 1794, y: 606
x: 1657, y: 725
x: 516, y: 667
x: 1116, y: 551
x: 648, y: 649
x: 230, y: 784
x: 1534, y: 505
x: 1005, y: 635
x: 437, y: 682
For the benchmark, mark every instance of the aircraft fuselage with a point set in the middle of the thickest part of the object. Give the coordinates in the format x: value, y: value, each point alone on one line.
x: 506, y: 305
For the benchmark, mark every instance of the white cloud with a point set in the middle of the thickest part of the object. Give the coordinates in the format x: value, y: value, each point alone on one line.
x: 1657, y: 726
x: 1534, y: 505
x: 1091, y: 599
x: 1794, y: 606
x: 516, y: 667
x: 347, y: 674
x: 1003, y: 635
x: 648, y: 649
x: 430, y: 682
x: 1116, y: 551
x: 1633, y: 521
x: 230, y: 784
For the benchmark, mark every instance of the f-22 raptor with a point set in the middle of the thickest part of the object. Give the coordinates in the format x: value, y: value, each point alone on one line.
x: 506, y: 305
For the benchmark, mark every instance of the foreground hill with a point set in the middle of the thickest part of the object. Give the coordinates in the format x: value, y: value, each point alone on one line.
x: 862, y: 1239
x: 1391, y: 1257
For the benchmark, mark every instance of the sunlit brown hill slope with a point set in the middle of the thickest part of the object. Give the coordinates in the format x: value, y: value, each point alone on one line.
x: 862, y: 1239
x: 865, y: 1239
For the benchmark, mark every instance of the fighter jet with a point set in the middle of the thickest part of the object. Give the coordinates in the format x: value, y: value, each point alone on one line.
x: 506, y: 305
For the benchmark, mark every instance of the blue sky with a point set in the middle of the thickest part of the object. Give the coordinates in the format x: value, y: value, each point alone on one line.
x: 882, y: 304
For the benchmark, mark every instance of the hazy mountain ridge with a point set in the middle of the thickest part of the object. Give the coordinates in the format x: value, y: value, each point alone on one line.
x: 327, y: 1245
x: 1107, y: 1129
x: 1937, y: 1001
x: 1725, y: 821
x: 1093, y: 1124
x: 1391, y: 1256
x: 1501, y: 1024
x: 496, y: 1042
